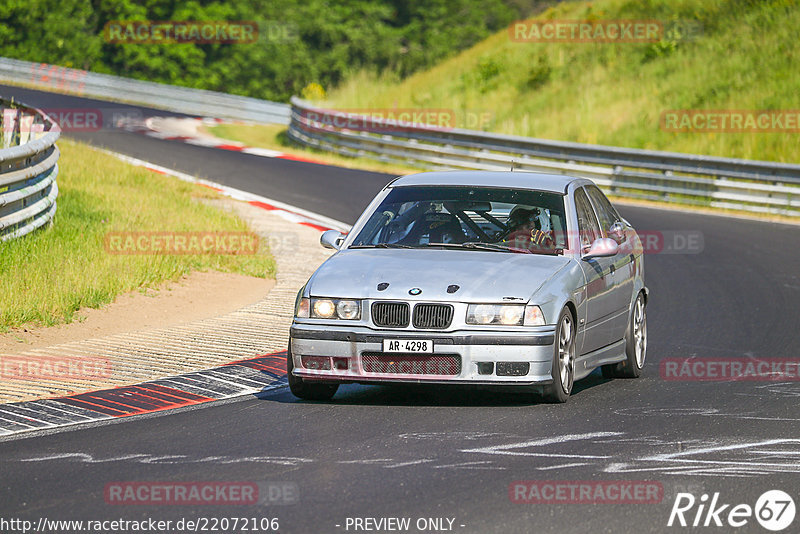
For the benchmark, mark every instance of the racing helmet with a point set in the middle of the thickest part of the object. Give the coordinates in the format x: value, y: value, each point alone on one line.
x: 521, y: 215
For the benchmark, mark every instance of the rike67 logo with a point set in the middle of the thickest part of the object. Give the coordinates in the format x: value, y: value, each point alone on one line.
x: 774, y: 510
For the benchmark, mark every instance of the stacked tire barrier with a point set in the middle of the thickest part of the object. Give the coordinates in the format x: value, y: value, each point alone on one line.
x: 28, y: 170
x: 724, y: 183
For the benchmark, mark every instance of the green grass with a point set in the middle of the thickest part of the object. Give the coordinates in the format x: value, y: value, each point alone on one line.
x: 613, y: 94
x: 47, y: 276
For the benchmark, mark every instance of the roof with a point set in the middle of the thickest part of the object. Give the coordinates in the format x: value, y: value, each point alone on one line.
x: 556, y: 183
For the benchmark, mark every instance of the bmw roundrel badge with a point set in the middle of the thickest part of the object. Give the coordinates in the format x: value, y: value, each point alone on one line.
x: 414, y: 291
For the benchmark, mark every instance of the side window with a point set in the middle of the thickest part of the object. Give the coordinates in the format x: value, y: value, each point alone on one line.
x: 605, y: 211
x: 588, y: 230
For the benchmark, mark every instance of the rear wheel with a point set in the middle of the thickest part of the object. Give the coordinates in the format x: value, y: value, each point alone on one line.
x: 635, y: 345
x: 304, y: 389
x: 563, y: 360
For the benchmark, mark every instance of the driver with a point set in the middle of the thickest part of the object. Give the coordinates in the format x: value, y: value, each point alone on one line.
x: 526, y: 230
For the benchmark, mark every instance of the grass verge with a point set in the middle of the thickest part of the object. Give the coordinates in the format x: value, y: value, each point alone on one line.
x: 47, y: 276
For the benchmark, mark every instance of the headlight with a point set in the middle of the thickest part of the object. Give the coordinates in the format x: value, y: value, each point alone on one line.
x: 511, y: 314
x: 505, y: 314
x: 346, y: 309
x: 482, y: 314
x: 323, y: 308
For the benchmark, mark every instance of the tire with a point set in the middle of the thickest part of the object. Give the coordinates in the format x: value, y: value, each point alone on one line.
x: 302, y: 389
x: 635, y: 344
x: 563, y: 360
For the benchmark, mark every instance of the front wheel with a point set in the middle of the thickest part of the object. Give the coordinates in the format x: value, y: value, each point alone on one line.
x: 563, y: 360
x: 303, y: 389
x: 635, y: 345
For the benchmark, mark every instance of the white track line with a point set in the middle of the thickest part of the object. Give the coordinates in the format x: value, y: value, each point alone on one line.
x: 286, y: 211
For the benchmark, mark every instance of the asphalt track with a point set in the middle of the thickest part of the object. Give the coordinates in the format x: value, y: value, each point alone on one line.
x: 453, y: 452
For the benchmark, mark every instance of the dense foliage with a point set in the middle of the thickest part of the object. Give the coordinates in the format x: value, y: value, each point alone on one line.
x: 300, y: 41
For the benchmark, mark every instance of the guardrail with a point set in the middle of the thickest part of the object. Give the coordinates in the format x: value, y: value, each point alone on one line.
x: 196, y: 102
x: 28, y: 170
x: 727, y: 183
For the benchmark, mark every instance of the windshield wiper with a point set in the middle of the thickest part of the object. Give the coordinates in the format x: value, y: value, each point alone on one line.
x: 382, y: 245
x: 498, y: 246
x: 494, y: 246
x: 477, y: 245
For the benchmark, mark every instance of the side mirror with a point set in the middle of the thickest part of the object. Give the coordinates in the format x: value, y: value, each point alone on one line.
x: 331, y: 239
x: 601, y: 248
x: 617, y: 232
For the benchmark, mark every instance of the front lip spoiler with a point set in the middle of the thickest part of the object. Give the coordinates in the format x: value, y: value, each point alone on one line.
x: 401, y: 380
x: 482, y: 339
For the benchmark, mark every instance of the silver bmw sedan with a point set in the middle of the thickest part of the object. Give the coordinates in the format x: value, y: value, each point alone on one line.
x: 473, y: 277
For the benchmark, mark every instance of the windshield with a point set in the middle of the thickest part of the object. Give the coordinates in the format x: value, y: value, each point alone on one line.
x: 479, y: 218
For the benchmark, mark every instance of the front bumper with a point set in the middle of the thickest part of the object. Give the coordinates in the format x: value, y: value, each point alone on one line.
x: 348, y: 345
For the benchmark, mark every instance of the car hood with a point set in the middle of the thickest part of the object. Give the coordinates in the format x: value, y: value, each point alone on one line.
x: 482, y: 276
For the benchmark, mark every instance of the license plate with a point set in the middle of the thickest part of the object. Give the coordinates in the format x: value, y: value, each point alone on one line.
x: 408, y: 345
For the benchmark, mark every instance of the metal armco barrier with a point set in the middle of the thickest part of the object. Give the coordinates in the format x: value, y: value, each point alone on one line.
x: 157, y: 95
x: 28, y: 170
x: 754, y: 186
